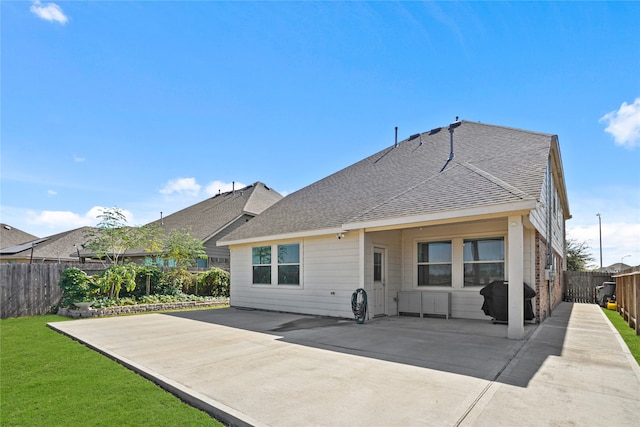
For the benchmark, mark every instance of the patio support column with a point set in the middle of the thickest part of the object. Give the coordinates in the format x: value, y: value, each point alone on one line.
x: 361, y: 267
x: 515, y: 330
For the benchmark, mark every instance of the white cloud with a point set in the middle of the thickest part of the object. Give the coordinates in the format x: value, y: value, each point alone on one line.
x: 624, y: 124
x: 216, y: 187
x: 619, y: 239
x: 78, y: 159
x: 52, y: 192
x: 182, y: 186
x: 67, y: 220
x: 50, y: 12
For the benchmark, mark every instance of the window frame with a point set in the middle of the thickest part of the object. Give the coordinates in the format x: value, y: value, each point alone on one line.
x: 480, y: 262
x: 419, y: 263
x: 282, y: 263
x: 275, y: 264
x: 261, y: 265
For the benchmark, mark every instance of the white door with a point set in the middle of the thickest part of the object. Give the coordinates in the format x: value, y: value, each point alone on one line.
x: 378, y: 282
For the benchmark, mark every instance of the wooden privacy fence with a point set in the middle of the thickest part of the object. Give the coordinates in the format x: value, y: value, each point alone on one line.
x: 32, y: 289
x: 580, y: 286
x: 628, y: 297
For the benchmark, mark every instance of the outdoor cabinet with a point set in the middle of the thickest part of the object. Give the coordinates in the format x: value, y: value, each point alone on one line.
x: 436, y: 303
x: 424, y: 302
x: 410, y: 303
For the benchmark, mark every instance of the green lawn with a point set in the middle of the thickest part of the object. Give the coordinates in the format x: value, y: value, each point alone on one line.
x: 47, y: 379
x: 628, y: 335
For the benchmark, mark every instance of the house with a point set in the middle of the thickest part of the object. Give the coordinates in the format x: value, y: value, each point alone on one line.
x: 422, y: 225
x: 214, y: 218
x: 59, y: 248
x: 11, y: 236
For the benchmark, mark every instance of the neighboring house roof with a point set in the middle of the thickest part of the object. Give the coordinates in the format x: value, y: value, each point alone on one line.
x: 62, y: 246
x: 616, y: 268
x: 210, y: 217
x: 11, y: 236
x: 491, y: 166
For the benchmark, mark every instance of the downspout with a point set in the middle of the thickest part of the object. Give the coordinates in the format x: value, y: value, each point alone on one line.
x: 549, y: 265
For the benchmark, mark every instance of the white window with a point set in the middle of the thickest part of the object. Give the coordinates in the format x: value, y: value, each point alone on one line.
x: 285, y: 268
x: 483, y: 261
x: 434, y: 263
x: 261, y: 257
x: 289, y: 264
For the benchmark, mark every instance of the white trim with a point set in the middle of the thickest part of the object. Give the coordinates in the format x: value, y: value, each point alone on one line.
x: 275, y: 264
x: 286, y: 236
x: 489, y: 211
x: 523, y: 207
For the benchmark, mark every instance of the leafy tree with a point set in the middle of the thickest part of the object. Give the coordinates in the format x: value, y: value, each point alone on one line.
x: 111, y: 238
x: 181, y: 247
x: 578, y: 256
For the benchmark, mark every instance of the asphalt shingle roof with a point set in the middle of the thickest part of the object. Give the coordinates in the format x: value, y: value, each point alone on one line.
x: 207, y: 218
x: 11, y: 236
x: 58, y: 246
x: 491, y: 165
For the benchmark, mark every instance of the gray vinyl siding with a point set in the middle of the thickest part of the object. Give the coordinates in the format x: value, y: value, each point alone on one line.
x: 329, y: 275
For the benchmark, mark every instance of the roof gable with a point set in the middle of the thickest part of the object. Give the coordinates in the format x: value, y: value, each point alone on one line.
x: 491, y: 165
x: 209, y: 217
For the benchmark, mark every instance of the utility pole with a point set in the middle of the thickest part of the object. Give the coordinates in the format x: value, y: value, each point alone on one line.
x: 600, y: 230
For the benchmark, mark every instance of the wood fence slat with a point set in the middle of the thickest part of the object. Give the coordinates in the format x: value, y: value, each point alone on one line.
x: 580, y: 286
x: 31, y: 289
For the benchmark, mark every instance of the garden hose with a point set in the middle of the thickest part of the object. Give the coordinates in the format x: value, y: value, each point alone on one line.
x: 359, y: 305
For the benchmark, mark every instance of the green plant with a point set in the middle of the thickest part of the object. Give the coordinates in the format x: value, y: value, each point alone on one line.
x: 215, y: 282
x: 144, y: 273
x: 112, y: 237
x: 176, y: 281
x: 182, y: 248
x: 76, y: 287
x: 113, y: 278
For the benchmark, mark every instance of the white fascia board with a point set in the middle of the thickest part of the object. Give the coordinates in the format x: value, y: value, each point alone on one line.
x: 481, y: 212
x: 284, y: 236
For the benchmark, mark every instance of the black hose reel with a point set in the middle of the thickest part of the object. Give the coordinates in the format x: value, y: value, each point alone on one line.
x: 359, y: 305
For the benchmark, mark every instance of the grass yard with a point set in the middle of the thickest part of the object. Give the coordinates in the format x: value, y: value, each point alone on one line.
x: 628, y: 335
x: 47, y: 379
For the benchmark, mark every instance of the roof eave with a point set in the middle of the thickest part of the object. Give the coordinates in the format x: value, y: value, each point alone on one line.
x: 482, y: 212
x: 283, y: 236
x: 522, y: 207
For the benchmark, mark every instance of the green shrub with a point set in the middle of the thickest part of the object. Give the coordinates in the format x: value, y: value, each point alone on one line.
x: 143, y: 272
x: 113, y: 278
x: 176, y: 281
x: 215, y: 282
x: 76, y: 287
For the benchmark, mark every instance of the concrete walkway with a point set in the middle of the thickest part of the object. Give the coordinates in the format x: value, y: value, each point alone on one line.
x: 273, y: 369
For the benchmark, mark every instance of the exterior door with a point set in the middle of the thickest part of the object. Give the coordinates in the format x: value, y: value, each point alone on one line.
x: 378, y: 282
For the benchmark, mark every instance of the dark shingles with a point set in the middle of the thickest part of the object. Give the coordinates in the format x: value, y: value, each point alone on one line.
x: 11, y: 236
x: 502, y: 165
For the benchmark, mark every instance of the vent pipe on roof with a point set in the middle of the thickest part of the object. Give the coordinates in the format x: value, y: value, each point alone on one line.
x: 233, y: 187
x: 452, y: 126
x: 396, y: 137
x: 161, y: 219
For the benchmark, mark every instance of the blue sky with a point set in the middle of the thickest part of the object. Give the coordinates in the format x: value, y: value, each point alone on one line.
x: 153, y: 106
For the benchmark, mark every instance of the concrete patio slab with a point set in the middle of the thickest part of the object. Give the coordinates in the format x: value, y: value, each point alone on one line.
x: 277, y: 369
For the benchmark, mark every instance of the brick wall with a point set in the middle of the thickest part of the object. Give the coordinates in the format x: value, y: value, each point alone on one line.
x: 542, y: 307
